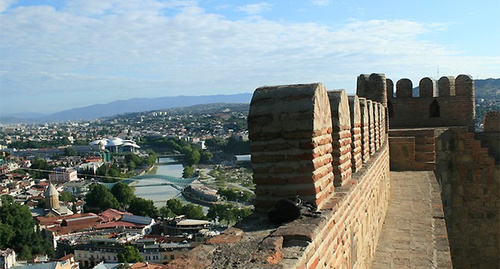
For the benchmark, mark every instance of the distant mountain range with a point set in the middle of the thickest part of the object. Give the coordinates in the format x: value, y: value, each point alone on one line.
x: 485, y: 88
x: 125, y: 106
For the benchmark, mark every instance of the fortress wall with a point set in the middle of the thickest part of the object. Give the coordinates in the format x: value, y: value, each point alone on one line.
x: 365, y: 130
x: 450, y: 105
x: 470, y: 182
x: 291, y: 129
x: 376, y: 121
x: 490, y: 137
x: 356, y: 133
x: 341, y: 123
x: 371, y: 127
x: 412, y: 149
x: 291, y: 132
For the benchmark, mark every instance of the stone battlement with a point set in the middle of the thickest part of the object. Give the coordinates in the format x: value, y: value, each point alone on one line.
x: 447, y: 102
x: 332, y: 150
x: 329, y: 148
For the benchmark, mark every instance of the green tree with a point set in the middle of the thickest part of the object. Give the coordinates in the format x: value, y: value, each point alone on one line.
x: 99, y: 198
x: 166, y: 212
x: 40, y: 168
x: 188, y: 172
x: 193, y: 211
x: 114, y: 171
x: 123, y: 193
x: 206, y: 156
x: 175, y: 205
x: 193, y: 157
x: 66, y: 196
x: 69, y: 151
x: 215, y: 143
x: 151, y: 157
x: 6, y: 235
x: 130, y: 255
x: 227, y: 213
x: 142, y: 207
x: 131, y: 166
x: 17, y: 230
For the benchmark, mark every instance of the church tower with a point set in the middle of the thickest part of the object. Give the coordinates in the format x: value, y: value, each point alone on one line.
x: 51, y: 197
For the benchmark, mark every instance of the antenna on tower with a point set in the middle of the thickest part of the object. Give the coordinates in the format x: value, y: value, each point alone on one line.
x: 437, y: 72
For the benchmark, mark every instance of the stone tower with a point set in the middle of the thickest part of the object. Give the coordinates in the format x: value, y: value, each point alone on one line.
x: 51, y: 197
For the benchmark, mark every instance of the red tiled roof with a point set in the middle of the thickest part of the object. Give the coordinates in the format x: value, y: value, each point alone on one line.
x: 112, y: 214
x: 57, y: 220
x: 67, y: 257
x: 146, y: 265
x: 114, y: 224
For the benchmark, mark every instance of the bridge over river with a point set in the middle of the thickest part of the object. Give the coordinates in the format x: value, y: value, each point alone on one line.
x: 175, y: 182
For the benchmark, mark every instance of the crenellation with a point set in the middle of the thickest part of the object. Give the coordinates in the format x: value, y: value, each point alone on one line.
x: 365, y: 130
x: 356, y: 133
x: 376, y: 120
x: 341, y: 124
x: 390, y: 88
x: 446, y: 86
x: 464, y: 86
x: 371, y: 119
x: 404, y: 88
x: 288, y: 148
x: 333, y: 151
x: 452, y: 104
x: 362, y: 84
x: 427, y: 87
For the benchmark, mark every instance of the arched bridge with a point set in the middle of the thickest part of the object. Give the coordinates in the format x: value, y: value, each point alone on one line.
x: 178, y: 183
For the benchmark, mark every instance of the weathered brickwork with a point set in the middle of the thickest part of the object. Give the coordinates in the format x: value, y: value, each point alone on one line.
x: 333, y: 150
x: 412, y: 149
x: 356, y: 134
x: 294, y: 130
x: 450, y: 105
x: 376, y: 122
x: 491, y: 122
x: 291, y: 132
x: 490, y: 137
x: 470, y: 182
x: 371, y: 119
x: 365, y: 130
x: 346, y: 235
x: 341, y: 124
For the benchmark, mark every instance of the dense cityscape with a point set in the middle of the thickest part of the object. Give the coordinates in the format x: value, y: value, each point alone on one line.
x: 74, y: 182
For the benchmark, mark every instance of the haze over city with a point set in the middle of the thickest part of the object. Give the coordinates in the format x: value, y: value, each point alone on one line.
x: 56, y: 55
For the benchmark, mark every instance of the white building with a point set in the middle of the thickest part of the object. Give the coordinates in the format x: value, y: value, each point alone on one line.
x: 115, y: 144
x: 63, y: 174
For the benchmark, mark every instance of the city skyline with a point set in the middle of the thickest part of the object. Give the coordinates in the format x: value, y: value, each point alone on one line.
x: 56, y: 55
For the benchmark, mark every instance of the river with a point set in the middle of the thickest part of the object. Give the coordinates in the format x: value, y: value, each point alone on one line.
x: 160, y: 194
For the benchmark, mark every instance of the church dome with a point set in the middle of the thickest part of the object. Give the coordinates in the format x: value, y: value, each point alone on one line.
x: 51, y: 191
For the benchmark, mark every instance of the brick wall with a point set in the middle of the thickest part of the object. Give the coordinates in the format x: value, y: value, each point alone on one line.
x: 452, y: 104
x: 303, y: 139
x: 471, y: 198
x: 412, y: 149
x: 290, y: 128
x: 356, y: 134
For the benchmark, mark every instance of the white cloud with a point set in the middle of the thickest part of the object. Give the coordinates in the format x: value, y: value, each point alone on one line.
x: 254, y: 9
x: 5, y: 4
x: 172, y: 48
x: 321, y: 3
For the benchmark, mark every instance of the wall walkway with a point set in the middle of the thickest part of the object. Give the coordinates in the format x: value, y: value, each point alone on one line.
x: 414, y: 230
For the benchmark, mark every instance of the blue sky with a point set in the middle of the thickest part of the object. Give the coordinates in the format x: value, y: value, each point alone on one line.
x: 56, y: 55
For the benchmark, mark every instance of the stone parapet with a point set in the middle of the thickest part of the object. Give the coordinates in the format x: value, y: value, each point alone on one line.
x: 356, y: 133
x: 365, y: 129
x: 450, y: 104
x: 290, y: 128
x: 341, y: 136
